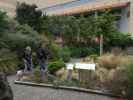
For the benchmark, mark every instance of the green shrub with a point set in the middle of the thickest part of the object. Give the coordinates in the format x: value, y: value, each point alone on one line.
x: 65, y: 54
x: 8, y: 61
x: 21, y: 36
x: 82, y: 50
x: 54, y: 50
x: 119, y: 39
x: 55, y: 66
x: 57, y: 52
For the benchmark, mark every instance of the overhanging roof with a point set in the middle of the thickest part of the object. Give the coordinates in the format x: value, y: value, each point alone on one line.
x: 89, y: 8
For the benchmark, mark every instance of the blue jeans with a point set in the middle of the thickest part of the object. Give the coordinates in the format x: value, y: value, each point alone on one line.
x: 42, y: 69
x: 42, y: 64
x: 28, y: 66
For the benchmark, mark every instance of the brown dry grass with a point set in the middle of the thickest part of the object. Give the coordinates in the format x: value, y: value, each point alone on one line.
x: 109, y: 61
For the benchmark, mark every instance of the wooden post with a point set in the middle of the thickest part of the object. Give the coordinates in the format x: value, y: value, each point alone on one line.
x: 101, y: 44
x: 69, y: 75
x: 79, y: 76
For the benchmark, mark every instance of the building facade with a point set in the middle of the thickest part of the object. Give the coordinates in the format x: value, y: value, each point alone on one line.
x: 9, y: 6
x: 77, y: 7
x: 124, y: 22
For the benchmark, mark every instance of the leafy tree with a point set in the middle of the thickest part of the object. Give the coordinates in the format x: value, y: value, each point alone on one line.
x: 105, y: 24
x: 120, y: 40
x: 87, y: 28
x: 3, y: 21
x: 80, y: 29
x: 56, y: 25
x: 23, y: 36
x: 27, y: 14
x: 16, y: 36
x: 90, y: 31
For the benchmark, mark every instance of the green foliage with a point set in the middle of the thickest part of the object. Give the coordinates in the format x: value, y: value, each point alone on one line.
x: 15, y: 38
x: 82, y: 50
x: 87, y: 27
x: 27, y: 14
x: 54, y: 51
x: 65, y: 54
x: 57, y: 52
x: 120, y: 40
x: 84, y: 30
x: 56, y: 25
x: 3, y: 21
x: 18, y: 37
x: 8, y: 61
x: 130, y: 81
x: 81, y: 29
x: 55, y: 66
x: 105, y: 24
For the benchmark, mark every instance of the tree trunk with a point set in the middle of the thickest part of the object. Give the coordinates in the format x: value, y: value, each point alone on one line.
x: 101, y: 44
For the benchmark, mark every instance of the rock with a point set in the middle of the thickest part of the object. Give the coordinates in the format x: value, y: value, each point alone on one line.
x: 5, y: 89
x: 111, y: 74
x: 102, y: 73
x: 25, y: 78
x: 60, y: 72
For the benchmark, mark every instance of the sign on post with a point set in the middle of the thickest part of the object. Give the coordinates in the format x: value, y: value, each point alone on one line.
x: 70, y: 66
x: 85, y: 66
x: 81, y: 67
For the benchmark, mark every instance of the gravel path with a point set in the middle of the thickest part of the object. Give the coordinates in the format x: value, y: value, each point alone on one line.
x: 22, y: 92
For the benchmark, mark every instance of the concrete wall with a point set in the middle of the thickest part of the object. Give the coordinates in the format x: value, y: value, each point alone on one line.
x: 124, y: 21
x: 131, y: 18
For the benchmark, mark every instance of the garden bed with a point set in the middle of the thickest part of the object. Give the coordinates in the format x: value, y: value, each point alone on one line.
x: 110, y: 77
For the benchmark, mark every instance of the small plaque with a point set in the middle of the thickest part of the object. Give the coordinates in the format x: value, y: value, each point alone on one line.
x: 85, y: 66
x: 70, y: 66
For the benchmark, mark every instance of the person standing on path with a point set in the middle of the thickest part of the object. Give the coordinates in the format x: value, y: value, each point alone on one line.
x: 27, y: 58
x: 41, y: 57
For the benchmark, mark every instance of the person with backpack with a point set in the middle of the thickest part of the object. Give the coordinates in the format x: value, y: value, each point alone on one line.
x: 41, y: 58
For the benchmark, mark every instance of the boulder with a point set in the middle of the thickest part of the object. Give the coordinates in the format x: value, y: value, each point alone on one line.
x: 60, y: 72
x: 5, y: 89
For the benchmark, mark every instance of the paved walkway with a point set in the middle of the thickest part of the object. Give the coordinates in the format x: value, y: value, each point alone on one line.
x: 22, y: 92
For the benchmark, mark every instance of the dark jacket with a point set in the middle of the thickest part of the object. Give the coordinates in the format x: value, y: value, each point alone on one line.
x: 41, y: 54
x: 27, y: 56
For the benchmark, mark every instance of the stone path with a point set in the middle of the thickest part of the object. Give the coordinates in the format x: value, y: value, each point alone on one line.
x: 22, y: 92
